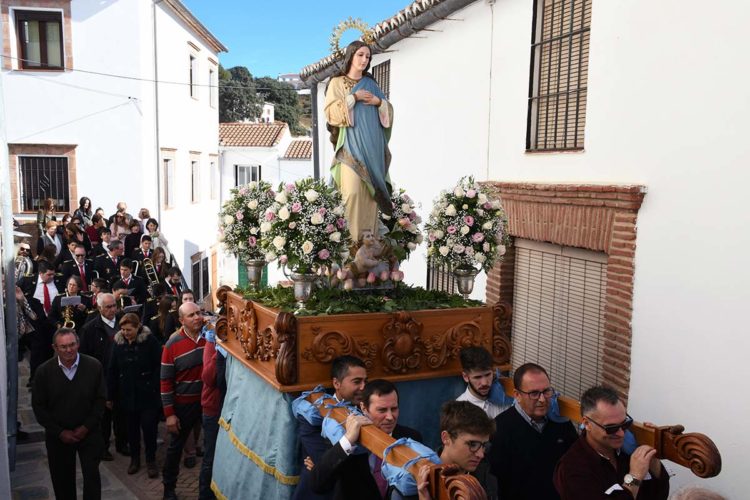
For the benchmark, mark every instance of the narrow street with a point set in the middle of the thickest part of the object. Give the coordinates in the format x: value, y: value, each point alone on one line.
x: 31, y: 479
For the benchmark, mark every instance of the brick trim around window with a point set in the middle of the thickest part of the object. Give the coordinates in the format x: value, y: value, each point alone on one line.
x: 9, y: 30
x: 596, y: 217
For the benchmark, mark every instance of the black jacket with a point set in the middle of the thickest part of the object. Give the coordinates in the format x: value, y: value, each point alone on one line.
x: 96, y: 342
x: 349, y: 476
x: 138, y: 287
x: 108, y: 270
x: 57, y: 315
x: 133, y: 378
x: 70, y: 268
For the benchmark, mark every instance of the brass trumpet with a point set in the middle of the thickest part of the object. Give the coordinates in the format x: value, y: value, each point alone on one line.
x: 151, y: 275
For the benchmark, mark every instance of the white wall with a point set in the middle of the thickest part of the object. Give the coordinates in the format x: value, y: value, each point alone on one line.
x: 187, y: 124
x: 103, y: 116
x: 667, y: 108
x: 112, y: 120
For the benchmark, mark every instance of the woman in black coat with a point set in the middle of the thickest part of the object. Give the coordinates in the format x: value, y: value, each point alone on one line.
x: 134, y: 382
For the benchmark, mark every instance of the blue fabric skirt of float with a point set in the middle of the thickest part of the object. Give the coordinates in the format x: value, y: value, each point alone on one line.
x: 257, y: 450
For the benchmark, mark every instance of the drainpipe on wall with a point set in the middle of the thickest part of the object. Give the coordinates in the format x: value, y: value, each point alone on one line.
x: 156, y: 121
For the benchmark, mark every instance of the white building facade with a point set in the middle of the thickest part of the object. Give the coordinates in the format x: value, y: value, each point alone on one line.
x: 85, y: 116
x: 661, y: 146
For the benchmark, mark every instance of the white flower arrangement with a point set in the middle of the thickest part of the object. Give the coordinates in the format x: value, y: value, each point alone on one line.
x: 466, y: 228
x: 240, y: 219
x: 403, y: 225
x: 304, y: 227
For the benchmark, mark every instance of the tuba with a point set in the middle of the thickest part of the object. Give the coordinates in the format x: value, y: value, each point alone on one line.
x: 153, y: 278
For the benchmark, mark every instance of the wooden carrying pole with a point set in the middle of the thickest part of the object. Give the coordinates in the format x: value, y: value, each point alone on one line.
x: 692, y: 450
x: 445, y: 482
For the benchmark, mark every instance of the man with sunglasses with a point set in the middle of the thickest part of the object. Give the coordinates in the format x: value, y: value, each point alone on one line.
x: 79, y: 266
x: 24, y: 264
x: 597, y: 467
x: 528, y: 444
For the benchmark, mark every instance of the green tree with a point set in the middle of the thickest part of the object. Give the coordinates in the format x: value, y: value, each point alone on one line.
x: 286, y: 103
x: 238, y: 98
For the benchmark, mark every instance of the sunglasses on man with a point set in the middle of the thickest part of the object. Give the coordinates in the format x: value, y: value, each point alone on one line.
x: 613, y: 428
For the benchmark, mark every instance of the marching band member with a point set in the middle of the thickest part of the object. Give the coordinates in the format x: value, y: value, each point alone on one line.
x: 24, y: 265
x: 79, y: 266
x: 174, y: 281
x: 131, y: 282
x: 144, y: 251
x: 77, y: 314
x: 108, y: 264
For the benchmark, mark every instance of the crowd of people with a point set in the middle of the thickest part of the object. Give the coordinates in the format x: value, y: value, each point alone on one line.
x: 132, y: 348
x: 517, y: 448
x: 115, y: 345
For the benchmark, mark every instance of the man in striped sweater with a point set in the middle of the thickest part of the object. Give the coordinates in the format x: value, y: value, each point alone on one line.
x: 181, y: 367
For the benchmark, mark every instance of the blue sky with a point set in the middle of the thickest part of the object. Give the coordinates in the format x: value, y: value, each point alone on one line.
x: 275, y: 37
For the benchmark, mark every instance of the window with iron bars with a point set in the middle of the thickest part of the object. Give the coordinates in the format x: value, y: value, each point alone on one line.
x: 43, y: 177
x: 382, y: 75
x: 440, y: 277
x: 559, y: 75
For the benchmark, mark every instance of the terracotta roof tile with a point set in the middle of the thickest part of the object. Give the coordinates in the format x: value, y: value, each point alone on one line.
x: 258, y: 135
x: 299, y: 149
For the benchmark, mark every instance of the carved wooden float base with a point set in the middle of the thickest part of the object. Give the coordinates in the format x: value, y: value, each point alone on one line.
x: 295, y: 353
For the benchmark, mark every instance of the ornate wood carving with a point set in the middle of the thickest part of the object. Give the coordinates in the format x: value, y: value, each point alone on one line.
x: 501, y: 324
x: 222, y: 327
x: 693, y: 450
x: 332, y: 344
x: 442, y: 347
x: 232, y: 322
x: 221, y: 297
x: 460, y: 486
x: 247, y: 330
x: 286, y: 336
x: 266, y: 346
x: 403, y: 347
x: 252, y: 337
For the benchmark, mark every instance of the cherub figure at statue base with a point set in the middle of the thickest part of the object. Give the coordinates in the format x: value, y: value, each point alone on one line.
x: 374, y: 266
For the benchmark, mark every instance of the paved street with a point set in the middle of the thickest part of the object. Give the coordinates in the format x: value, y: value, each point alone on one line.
x: 31, y: 481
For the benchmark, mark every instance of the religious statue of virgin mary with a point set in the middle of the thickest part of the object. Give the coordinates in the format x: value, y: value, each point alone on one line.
x: 360, y: 118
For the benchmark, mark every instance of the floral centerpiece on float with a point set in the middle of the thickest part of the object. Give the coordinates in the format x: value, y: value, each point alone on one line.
x: 305, y: 230
x: 403, y: 233
x: 467, y: 231
x: 239, y: 225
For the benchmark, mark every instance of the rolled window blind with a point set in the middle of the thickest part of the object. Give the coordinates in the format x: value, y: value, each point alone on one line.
x: 558, y: 313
